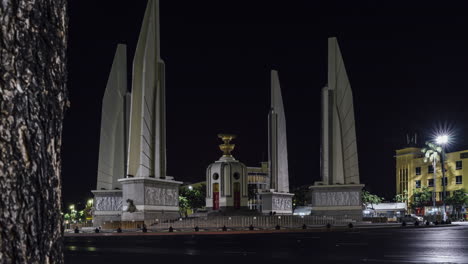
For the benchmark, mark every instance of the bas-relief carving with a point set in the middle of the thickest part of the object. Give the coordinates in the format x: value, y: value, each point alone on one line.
x: 161, y: 196
x: 336, y: 198
x: 282, y: 203
x: 108, y: 203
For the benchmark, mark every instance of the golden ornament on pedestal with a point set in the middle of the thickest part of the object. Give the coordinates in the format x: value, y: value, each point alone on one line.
x: 226, y: 148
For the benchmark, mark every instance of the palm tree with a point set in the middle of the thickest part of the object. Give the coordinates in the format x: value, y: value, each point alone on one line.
x: 432, y: 153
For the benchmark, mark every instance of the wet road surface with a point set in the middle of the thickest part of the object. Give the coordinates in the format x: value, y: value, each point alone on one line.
x: 387, y: 245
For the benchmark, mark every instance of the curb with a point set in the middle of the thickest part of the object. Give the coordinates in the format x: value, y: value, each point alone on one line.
x: 241, y: 232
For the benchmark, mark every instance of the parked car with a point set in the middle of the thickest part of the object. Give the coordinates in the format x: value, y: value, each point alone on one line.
x: 411, y: 218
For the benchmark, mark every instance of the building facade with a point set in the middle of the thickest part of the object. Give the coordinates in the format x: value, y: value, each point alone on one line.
x: 412, y: 173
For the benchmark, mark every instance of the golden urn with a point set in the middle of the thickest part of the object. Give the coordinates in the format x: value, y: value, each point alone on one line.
x: 226, y: 148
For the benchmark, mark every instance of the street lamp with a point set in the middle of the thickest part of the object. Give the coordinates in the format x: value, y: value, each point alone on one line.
x: 190, y: 187
x: 442, y: 140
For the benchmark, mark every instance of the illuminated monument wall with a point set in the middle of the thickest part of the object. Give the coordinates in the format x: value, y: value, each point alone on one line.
x: 147, y: 139
x: 112, y: 147
x: 114, y: 125
x: 339, y: 149
x: 146, y: 190
x: 277, y: 199
x: 339, y: 192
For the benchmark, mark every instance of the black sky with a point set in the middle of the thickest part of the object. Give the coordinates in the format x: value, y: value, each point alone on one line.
x: 407, y: 66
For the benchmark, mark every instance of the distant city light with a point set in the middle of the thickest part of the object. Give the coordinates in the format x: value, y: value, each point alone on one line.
x: 190, y: 187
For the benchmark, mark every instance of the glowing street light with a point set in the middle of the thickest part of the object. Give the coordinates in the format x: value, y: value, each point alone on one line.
x: 190, y: 187
x: 442, y: 140
x: 90, y: 202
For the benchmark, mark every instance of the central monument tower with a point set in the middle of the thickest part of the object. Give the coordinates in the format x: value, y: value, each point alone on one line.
x: 226, y: 181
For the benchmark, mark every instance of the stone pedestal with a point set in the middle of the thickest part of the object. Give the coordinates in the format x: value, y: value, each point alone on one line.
x: 107, y: 206
x: 337, y: 200
x: 278, y: 202
x: 147, y: 199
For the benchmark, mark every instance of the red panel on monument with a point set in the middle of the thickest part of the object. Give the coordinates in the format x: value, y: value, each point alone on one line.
x: 215, y: 200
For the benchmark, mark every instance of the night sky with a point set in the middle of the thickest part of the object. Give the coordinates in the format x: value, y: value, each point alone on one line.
x: 408, y: 68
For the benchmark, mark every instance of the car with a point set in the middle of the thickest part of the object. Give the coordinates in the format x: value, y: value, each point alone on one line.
x: 411, y: 218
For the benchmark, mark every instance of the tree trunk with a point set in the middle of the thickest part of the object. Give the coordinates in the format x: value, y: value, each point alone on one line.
x: 33, y: 98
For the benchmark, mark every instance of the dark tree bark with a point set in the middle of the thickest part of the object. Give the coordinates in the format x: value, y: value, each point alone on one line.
x: 33, y: 98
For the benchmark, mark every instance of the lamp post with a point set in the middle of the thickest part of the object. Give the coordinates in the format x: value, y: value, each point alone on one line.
x: 442, y: 140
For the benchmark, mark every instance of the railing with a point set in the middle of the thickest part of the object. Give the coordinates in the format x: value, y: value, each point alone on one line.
x: 266, y: 222
x: 79, y: 225
x: 230, y: 222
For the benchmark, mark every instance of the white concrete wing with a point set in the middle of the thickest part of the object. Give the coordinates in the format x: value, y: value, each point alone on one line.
x: 147, y: 140
x: 345, y: 157
x: 278, y: 147
x: 112, y: 152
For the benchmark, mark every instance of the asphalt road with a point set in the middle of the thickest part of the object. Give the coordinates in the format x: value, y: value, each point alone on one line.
x: 387, y: 245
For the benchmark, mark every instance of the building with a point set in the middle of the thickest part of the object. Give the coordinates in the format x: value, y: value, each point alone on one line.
x: 412, y: 173
x: 258, y: 181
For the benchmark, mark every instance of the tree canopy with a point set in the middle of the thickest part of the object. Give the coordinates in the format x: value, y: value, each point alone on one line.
x: 300, y: 196
x: 370, y: 199
x: 192, y: 198
x: 458, y: 198
x: 402, y: 197
x: 421, y: 197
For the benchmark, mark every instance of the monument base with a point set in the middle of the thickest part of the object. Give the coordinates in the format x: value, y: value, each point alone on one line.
x: 339, y: 200
x: 107, y: 206
x: 147, y: 199
x: 277, y: 202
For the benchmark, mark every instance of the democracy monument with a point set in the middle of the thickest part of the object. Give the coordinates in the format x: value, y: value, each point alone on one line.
x: 226, y: 178
x: 132, y: 184
x: 339, y: 191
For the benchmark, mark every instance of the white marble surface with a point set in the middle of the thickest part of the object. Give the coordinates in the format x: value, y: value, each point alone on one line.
x: 278, y: 147
x: 147, y: 139
x: 108, y: 203
x: 112, y: 150
x: 339, y: 147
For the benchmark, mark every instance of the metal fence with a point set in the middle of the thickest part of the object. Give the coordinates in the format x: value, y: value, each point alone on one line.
x: 266, y: 222
x: 79, y: 225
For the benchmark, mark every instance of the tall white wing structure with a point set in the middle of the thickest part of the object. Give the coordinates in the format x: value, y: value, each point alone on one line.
x: 339, y: 148
x: 112, y: 148
x: 147, y: 139
x: 278, y: 147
